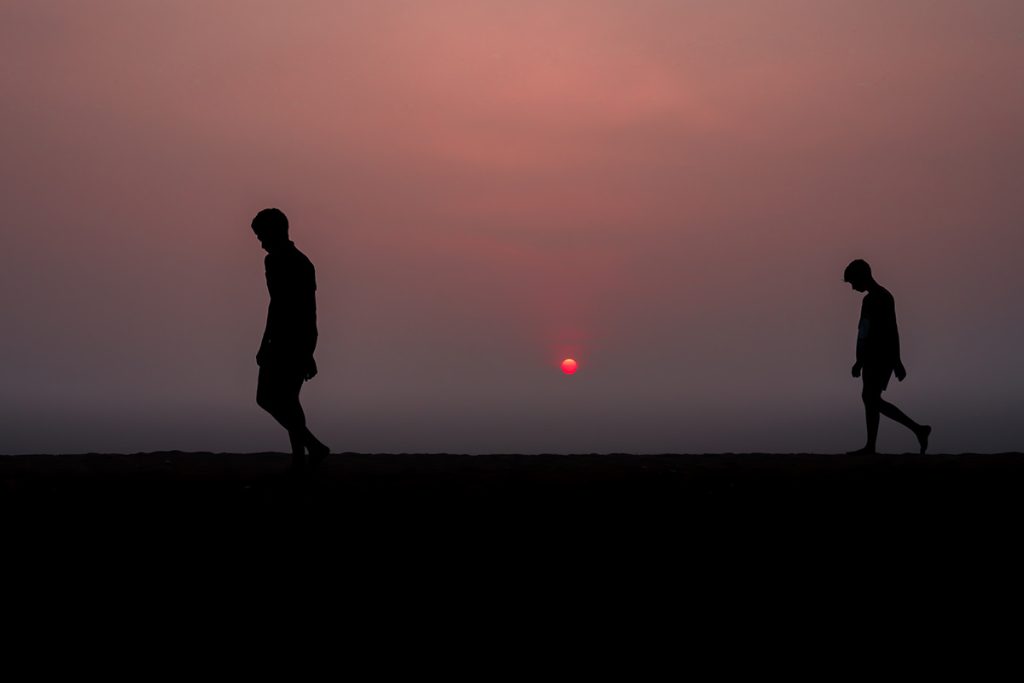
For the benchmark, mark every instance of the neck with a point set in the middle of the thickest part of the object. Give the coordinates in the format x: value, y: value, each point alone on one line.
x: 278, y: 246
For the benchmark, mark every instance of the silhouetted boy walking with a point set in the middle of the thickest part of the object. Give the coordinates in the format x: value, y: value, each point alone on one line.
x: 878, y: 355
x: 285, y: 357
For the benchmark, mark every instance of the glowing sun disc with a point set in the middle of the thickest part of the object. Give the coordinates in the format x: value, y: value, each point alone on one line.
x: 569, y: 366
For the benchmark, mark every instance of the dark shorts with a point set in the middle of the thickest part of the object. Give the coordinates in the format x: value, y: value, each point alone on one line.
x: 279, y: 381
x: 876, y: 378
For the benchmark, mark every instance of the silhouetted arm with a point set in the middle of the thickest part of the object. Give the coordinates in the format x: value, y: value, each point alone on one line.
x: 311, y: 368
x: 863, y: 329
x: 265, y: 341
x: 862, y: 339
x: 901, y: 372
x: 266, y: 330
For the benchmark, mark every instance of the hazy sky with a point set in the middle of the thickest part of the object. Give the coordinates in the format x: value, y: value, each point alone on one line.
x: 667, y: 190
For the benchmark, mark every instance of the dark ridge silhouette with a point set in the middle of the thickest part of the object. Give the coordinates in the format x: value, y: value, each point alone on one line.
x: 177, y: 486
x: 285, y: 356
x: 387, y: 532
x: 878, y: 356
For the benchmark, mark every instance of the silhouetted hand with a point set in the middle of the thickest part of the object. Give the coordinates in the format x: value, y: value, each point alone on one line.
x: 261, y: 355
x: 856, y: 369
x: 310, y: 372
x: 901, y: 372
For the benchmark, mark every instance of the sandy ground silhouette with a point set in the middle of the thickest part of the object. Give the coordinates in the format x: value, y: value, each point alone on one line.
x: 504, y: 541
x: 463, y: 494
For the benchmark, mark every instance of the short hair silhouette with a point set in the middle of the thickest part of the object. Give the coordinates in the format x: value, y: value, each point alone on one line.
x: 857, y: 270
x: 270, y: 223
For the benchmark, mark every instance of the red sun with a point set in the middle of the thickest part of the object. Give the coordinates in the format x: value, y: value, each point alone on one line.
x: 569, y: 366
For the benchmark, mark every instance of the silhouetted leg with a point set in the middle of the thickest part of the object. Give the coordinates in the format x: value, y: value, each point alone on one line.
x: 317, y: 450
x: 872, y: 401
x: 874, y: 382
x: 298, y: 432
x: 894, y: 413
x: 278, y: 393
x: 922, y: 432
x: 294, y: 420
x: 292, y: 417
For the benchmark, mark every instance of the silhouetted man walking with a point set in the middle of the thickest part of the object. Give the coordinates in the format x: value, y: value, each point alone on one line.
x: 285, y: 357
x: 878, y: 355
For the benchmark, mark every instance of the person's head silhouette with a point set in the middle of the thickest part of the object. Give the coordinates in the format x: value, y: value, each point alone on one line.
x: 858, y: 274
x: 271, y: 228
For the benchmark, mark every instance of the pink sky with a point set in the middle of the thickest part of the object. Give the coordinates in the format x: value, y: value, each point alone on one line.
x: 666, y: 190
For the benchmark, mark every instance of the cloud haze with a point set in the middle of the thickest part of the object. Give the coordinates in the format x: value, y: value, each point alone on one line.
x: 667, y: 191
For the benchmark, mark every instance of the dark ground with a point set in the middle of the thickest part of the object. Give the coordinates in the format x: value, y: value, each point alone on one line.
x: 507, y: 539
x: 514, y: 498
